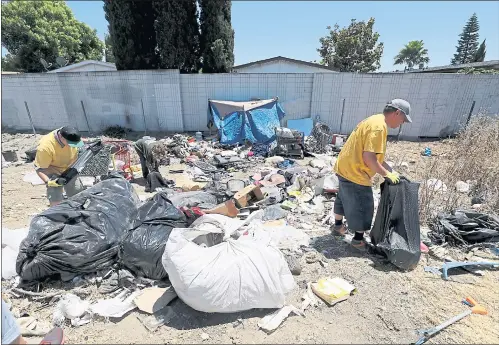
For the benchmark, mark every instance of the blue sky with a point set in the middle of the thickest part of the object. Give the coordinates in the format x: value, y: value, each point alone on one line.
x: 265, y: 29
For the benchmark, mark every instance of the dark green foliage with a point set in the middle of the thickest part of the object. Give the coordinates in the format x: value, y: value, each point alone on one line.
x: 109, y: 48
x: 352, y: 49
x: 468, y: 42
x: 217, y: 36
x: 32, y: 30
x: 177, y: 34
x: 10, y: 63
x: 413, y: 54
x: 480, y: 53
x: 131, y: 27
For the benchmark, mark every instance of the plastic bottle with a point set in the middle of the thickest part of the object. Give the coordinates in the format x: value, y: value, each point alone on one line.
x: 199, y: 136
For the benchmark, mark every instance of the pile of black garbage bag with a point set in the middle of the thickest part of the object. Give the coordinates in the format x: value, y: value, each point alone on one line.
x: 96, y: 229
x: 464, y: 227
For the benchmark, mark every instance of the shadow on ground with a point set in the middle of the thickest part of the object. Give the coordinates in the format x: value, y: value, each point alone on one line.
x: 335, y: 248
x: 186, y: 318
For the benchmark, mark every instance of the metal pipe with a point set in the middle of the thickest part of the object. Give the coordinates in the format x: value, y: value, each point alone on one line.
x: 471, y: 112
x: 86, y: 118
x: 29, y: 115
x: 143, y: 116
x: 342, y: 113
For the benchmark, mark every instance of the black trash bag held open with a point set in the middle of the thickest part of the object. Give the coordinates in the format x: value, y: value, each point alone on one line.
x: 143, y: 247
x: 396, y: 232
x: 80, y: 235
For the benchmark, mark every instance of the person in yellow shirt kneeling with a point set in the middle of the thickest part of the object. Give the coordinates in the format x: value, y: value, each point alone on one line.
x: 56, y: 152
x: 362, y: 156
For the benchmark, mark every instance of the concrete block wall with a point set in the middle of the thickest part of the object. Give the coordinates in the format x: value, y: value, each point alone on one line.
x: 164, y: 100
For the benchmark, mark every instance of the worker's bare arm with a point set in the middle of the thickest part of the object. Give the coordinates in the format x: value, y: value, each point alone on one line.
x: 41, y: 175
x: 371, y: 161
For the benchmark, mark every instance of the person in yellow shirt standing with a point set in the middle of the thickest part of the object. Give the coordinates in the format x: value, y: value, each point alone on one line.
x: 362, y: 156
x: 56, y: 152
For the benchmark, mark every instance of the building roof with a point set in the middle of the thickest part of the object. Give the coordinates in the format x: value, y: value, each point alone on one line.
x: 83, y: 63
x: 282, y: 58
x: 484, y: 64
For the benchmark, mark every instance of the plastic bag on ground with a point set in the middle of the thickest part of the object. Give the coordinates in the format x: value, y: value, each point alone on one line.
x: 144, y: 244
x: 192, y: 199
x: 117, y: 306
x: 80, y: 235
x: 228, y: 277
x: 396, y: 231
x: 217, y: 223
x: 69, y: 307
x: 11, y: 240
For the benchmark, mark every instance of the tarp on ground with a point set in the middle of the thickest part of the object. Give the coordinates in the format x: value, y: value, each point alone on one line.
x: 253, y: 121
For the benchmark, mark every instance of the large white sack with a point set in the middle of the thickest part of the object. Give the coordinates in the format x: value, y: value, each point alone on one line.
x: 228, y: 277
x: 11, y: 240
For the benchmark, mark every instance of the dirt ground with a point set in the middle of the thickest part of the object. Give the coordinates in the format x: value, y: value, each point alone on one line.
x: 387, y: 308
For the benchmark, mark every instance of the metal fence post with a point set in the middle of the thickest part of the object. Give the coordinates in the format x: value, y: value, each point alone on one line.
x: 86, y: 118
x: 29, y: 115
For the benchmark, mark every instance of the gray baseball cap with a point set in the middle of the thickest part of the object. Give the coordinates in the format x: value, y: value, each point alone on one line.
x: 403, y: 106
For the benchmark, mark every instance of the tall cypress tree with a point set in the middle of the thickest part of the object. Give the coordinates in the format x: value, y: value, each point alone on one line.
x: 468, y: 42
x: 480, y: 53
x: 131, y: 27
x: 217, y: 36
x: 177, y: 34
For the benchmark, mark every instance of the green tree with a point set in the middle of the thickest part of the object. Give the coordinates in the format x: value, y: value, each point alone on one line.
x: 217, y: 36
x: 413, y: 54
x: 352, y: 49
x: 109, y: 48
x: 468, y: 42
x: 480, y: 53
x: 32, y: 30
x: 131, y: 27
x: 177, y: 34
x: 10, y: 63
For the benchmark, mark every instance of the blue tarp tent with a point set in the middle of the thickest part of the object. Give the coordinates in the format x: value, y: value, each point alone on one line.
x: 239, y: 121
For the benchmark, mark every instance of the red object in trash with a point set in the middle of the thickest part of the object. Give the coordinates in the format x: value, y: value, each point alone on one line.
x: 251, y: 154
x: 55, y: 336
x: 423, y: 248
x: 120, y: 150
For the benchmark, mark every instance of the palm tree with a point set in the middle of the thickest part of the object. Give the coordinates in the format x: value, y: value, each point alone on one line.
x: 413, y: 54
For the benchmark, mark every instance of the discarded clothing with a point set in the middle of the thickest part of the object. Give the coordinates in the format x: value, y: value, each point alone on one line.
x: 155, y: 180
x: 202, y: 200
x: 465, y: 227
x: 144, y: 244
x: 80, y: 235
x: 396, y: 232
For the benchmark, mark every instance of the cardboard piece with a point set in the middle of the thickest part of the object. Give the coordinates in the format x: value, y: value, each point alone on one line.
x: 154, y: 299
x: 228, y: 209
x: 246, y: 194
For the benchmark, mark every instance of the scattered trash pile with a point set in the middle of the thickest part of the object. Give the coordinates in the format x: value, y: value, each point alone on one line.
x: 464, y: 228
x: 220, y: 243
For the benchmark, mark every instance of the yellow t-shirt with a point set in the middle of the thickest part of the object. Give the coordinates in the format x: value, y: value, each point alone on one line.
x: 52, y: 155
x: 370, y: 136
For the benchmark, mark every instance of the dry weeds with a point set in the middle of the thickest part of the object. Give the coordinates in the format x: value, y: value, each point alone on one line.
x: 472, y: 156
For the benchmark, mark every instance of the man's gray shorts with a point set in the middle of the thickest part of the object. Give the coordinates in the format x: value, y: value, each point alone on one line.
x: 356, y: 203
x: 73, y: 187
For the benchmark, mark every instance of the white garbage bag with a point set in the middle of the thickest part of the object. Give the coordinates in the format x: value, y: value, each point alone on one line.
x: 11, y: 240
x: 228, y: 277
